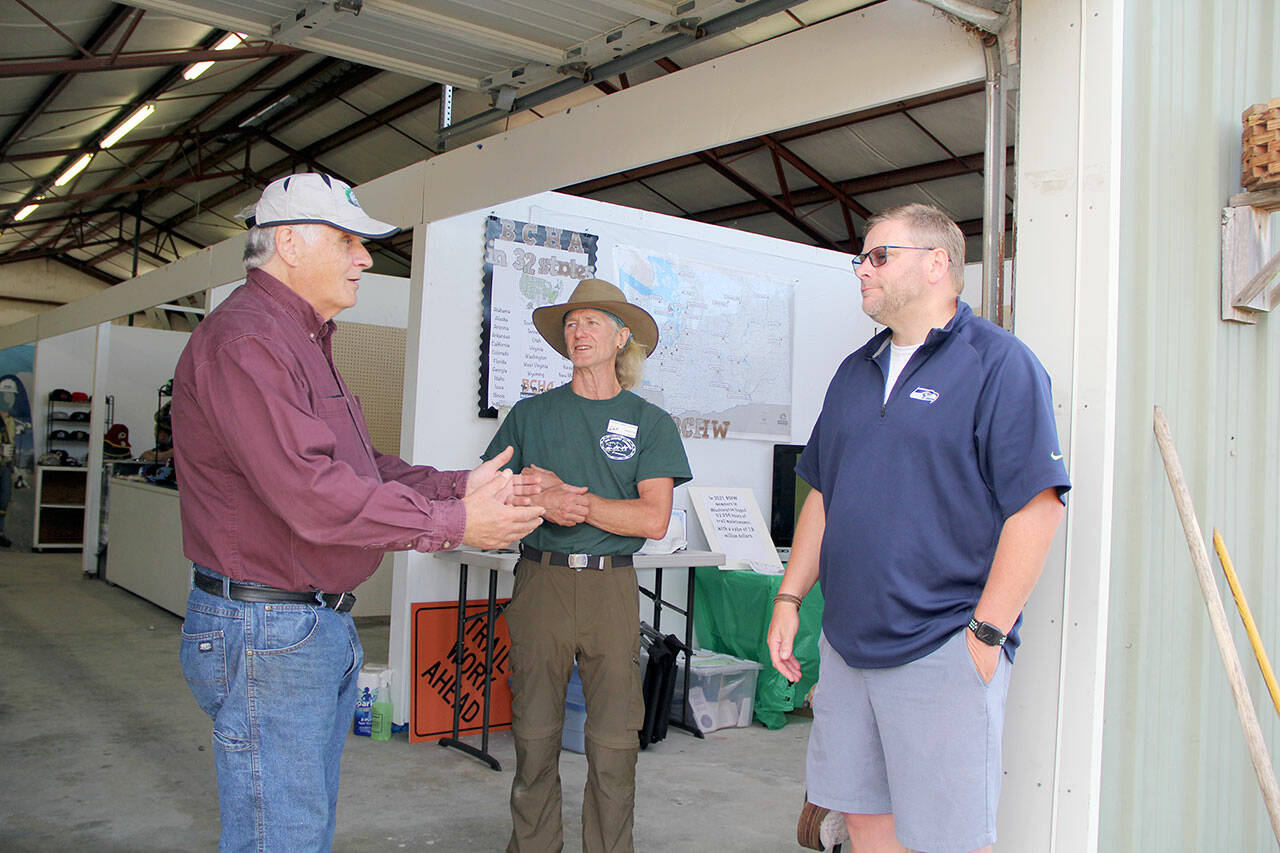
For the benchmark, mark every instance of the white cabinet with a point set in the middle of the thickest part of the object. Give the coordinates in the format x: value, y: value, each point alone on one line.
x: 59, y: 512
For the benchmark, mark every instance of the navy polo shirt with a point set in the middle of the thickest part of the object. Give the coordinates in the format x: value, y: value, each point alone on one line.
x: 917, y: 489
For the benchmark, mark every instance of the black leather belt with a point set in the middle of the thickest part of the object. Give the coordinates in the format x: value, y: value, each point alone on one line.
x: 576, y: 561
x: 340, y: 602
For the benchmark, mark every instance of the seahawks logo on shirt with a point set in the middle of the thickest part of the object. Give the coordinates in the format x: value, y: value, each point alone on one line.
x: 925, y: 395
x: 617, y: 447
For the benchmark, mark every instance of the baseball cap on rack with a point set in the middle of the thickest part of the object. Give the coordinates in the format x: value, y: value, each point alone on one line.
x: 60, y: 395
x: 310, y: 197
x: 79, y: 397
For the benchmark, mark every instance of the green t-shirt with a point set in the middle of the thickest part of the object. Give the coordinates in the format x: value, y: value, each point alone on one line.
x: 606, y: 445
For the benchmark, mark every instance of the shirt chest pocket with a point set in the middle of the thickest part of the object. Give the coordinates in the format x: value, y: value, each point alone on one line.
x: 349, y: 446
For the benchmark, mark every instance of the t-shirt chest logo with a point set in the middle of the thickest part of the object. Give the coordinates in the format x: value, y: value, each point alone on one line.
x: 925, y: 395
x: 617, y: 447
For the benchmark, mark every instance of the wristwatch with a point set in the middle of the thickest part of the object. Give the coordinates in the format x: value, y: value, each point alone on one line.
x: 987, y: 633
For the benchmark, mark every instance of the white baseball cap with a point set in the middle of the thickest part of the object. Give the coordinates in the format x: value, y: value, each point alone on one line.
x: 310, y: 197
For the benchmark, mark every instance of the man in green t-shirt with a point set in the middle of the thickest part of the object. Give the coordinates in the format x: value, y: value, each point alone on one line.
x: 602, y: 462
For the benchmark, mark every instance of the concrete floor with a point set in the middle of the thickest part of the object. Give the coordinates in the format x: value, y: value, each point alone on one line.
x: 102, y: 748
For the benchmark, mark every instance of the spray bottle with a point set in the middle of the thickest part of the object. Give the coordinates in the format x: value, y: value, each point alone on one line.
x: 382, y: 710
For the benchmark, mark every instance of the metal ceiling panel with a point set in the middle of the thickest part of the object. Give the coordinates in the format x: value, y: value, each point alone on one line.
x: 475, y: 45
x: 960, y: 124
x: 637, y: 195
x: 696, y: 189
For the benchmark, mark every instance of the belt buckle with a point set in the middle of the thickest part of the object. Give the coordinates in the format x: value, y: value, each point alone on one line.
x: 337, y: 605
x: 578, y: 562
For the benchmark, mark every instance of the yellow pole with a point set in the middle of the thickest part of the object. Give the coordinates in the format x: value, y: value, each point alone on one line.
x: 1245, y: 616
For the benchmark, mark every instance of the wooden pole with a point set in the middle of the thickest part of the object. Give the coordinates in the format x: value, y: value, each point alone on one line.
x: 1246, y: 616
x: 1218, y: 621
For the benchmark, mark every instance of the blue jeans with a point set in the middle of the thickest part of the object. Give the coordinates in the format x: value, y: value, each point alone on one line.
x: 279, y: 682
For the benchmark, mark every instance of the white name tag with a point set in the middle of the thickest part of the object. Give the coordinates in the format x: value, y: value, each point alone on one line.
x: 620, y: 428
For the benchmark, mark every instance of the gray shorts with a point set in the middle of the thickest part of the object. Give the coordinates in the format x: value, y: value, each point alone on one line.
x: 921, y: 740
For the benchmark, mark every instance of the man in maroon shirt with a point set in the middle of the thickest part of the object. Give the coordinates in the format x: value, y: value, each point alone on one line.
x: 287, y: 507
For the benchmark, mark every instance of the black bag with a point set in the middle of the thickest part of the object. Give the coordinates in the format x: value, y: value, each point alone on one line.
x: 659, y: 683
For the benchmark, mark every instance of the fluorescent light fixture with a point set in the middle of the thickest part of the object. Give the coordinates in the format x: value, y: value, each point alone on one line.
x: 229, y: 41
x: 25, y: 212
x: 127, y: 125
x: 74, y: 169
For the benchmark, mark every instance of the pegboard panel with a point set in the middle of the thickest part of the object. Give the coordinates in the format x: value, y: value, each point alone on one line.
x: 371, y: 360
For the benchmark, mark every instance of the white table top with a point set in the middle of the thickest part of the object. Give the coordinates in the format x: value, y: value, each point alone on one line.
x: 505, y: 561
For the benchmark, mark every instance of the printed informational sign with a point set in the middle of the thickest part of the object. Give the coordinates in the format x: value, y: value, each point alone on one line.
x: 526, y: 266
x: 731, y: 521
x: 435, y: 681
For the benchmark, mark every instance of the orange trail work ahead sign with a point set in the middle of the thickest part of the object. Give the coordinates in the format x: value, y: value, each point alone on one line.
x: 435, y: 681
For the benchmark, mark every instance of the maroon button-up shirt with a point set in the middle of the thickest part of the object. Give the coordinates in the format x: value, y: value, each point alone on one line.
x: 278, y: 480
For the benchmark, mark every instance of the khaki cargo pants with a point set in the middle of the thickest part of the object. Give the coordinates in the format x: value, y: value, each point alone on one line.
x: 557, y: 613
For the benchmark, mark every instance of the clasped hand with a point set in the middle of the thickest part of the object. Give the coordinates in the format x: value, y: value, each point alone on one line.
x: 561, y: 502
x: 493, y: 519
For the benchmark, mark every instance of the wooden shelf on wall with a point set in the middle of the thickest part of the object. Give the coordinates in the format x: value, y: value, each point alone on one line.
x: 1250, y: 270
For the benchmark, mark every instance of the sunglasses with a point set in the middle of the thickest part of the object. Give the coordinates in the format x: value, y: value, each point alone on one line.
x: 879, y: 256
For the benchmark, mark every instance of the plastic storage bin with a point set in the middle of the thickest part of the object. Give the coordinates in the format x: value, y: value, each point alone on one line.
x: 573, y: 737
x: 722, y: 691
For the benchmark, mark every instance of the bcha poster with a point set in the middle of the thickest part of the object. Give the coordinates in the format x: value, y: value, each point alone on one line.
x: 526, y: 266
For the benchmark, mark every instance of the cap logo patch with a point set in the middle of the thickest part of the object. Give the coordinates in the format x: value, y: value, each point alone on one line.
x: 351, y: 197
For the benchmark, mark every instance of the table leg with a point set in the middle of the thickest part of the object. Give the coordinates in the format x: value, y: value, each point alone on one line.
x: 490, y: 630
x: 683, y: 723
x: 657, y: 599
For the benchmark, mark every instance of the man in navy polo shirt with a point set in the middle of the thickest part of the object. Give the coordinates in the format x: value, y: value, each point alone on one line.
x: 937, y: 489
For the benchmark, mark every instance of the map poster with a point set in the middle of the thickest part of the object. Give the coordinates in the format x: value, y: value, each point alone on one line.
x: 722, y: 368
x: 526, y: 266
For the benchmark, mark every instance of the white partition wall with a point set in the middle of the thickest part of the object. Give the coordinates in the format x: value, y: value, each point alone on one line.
x: 140, y: 361
x: 826, y: 305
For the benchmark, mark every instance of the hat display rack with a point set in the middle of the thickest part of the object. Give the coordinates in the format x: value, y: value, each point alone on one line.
x: 67, y: 427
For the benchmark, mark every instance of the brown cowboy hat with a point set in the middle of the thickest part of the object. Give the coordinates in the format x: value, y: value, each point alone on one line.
x: 603, y: 296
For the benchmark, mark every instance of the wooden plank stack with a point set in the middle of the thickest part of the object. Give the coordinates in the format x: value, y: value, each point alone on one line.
x: 1260, y: 159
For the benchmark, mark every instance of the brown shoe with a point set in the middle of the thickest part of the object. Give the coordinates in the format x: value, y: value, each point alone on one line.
x: 809, y: 827
x: 820, y: 829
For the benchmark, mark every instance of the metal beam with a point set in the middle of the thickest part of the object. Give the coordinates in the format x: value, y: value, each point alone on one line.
x: 154, y: 59
x: 783, y: 136
x: 113, y: 22
x: 272, y: 68
x: 314, y: 78
x: 334, y: 140
x: 997, y: 118
x: 188, y: 178
x: 817, y: 177
x: 857, y: 186
x: 87, y: 269
x: 157, y: 141
x: 768, y: 200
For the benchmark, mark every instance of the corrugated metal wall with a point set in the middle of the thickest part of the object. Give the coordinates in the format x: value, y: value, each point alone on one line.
x: 1176, y: 773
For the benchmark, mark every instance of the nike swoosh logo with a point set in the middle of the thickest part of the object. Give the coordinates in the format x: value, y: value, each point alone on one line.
x: 1055, y: 456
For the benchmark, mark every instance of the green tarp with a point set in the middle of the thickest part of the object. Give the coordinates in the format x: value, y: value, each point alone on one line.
x: 731, y: 615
